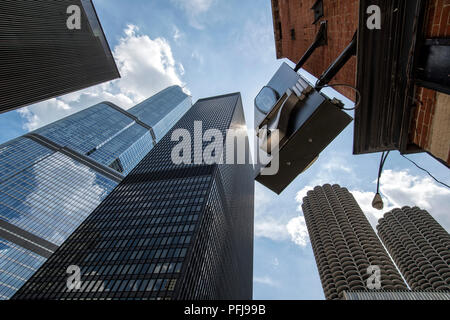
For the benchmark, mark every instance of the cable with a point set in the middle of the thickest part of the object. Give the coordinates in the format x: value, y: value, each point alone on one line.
x: 377, y: 201
x: 347, y: 86
x: 380, y: 169
x: 446, y: 185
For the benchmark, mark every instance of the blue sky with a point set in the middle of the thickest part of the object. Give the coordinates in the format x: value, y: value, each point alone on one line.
x: 214, y: 47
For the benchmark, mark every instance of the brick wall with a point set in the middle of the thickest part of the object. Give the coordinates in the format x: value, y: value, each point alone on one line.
x: 342, y: 17
x: 438, y: 15
x: 424, y: 128
x: 423, y: 117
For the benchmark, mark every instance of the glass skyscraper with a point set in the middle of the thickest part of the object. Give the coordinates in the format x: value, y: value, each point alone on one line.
x: 42, y: 57
x: 52, y: 178
x: 167, y: 231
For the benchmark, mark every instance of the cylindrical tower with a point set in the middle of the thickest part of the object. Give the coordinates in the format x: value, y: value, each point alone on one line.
x: 419, y: 246
x: 344, y: 243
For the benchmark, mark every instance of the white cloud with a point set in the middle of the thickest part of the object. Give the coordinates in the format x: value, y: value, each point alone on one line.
x: 52, y: 110
x: 275, y: 229
x: 399, y: 189
x: 337, y: 164
x: 198, y: 57
x: 146, y: 66
x: 298, y: 231
x: 193, y: 9
x: 265, y: 281
x: 61, y: 209
x: 180, y: 68
x: 276, y: 262
x: 278, y: 225
x: 262, y: 198
x: 335, y: 170
x: 268, y: 225
x: 403, y: 189
x: 365, y: 199
x: 271, y: 228
x: 255, y: 39
x: 301, y: 194
x: 176, y: 34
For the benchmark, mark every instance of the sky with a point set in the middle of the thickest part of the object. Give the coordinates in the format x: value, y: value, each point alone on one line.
x: 214, y: 47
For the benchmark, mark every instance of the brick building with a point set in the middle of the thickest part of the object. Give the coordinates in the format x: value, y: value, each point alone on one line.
x: 418, y: 119
x: 430, y: 128
x: 295, y: 31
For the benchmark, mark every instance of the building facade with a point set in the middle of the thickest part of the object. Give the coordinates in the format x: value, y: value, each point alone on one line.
x: 415, y: 120
x: 420, y: 247
x: 168, y: 231
x: 45, y: 52
x: 397, y: 296
x: 345, y: 245
x: 296, y: 24
x: 52, y: 178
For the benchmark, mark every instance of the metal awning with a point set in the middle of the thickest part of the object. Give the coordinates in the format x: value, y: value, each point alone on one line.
x: 385, y: 76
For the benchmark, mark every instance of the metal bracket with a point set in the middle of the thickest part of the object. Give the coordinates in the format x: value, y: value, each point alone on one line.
x: 321, y: 40
x: 337, y: 65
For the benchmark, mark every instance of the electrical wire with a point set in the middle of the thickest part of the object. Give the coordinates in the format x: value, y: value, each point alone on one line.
x: 445, y: 185
x: 358, y: 102
x: 380, y: 168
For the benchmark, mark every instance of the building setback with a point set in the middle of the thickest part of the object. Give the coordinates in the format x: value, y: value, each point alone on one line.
x: 168, y: 231
x: 345, y: 244
x: 52, y: 178
x: 420, y: 247
x: 41, y: 58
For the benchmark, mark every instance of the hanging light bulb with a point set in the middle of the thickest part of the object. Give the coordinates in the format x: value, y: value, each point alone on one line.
x: 377, y: 202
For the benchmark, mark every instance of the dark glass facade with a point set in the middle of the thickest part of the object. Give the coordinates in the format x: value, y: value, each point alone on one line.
x: 41, y: 58
x: 52, y: 178
x: 167, y: 231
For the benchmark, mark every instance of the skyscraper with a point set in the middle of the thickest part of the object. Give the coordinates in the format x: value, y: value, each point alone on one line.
x: 419, y: 246
x: 345, y: 246
x: 52, y: 178
x: 50, y: 48
x: 168, y: 231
